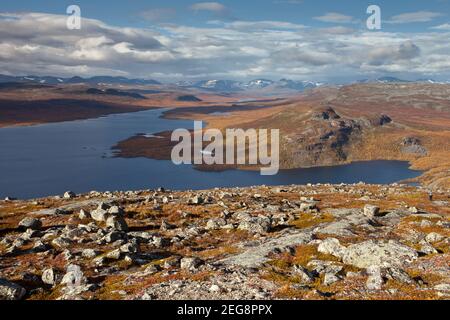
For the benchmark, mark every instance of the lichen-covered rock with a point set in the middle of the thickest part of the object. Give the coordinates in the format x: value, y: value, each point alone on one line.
x: 215, y: 224
x: 256, y: 225
x: 331, y: 246
x: 375, y: 280
x: 433, y: 237
x: 378, y: 253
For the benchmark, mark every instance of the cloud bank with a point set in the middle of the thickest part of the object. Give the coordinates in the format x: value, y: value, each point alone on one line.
x: 39, y: 43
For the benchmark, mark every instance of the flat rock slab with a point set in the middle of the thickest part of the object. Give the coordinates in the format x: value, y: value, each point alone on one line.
x: 71, y: 207
x: 257, y: 254
x: 378, y: 253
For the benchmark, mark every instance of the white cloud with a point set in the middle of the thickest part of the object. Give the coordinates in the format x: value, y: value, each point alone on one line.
x: 413, y: 17
x: 37, y: 43
x: 334, y: 17
x: 445, y: 27
x: 261, y: 25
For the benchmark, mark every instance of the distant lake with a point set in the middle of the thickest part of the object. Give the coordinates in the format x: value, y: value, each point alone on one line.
x: 49, y: 159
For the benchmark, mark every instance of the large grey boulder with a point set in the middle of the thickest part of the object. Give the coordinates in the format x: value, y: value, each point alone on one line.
x: 10, y: 290
x: 378, y: 253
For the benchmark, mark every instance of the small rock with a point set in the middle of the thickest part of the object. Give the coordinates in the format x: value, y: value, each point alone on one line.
x: 172, y: 263
x: 39, y: 246
x: 190, y: 263
x: 330, y: 278
x: 308, y: 206
x: 331, y: 246
x: 30, y: 223
x: 413, y: 210
x: 398, y: 275
x: 130, y: 247
x: 84, y: 215
x: 112, y: 236
x: 214, y: 288
x: 426, y: 248
x: 258, y: 225
x: 434, y: 237
x: 103, y: 206
x: 117, y: 223
x: 166, y: 226
x: 375, y: 280
x: 371, y: 211
x: 74, y: 276
x: 114, y: 255
x: 89, y: 253
x: 99, y: 214
x: 196, y: 200
x: 49, y: 276
x: 152, y: 269
x: 303, y: 273
x: 160, y: 242
x: 215, y: 224
x: 69, y: 195
x: 116, y: 211
x: 61, y: 242
x: 10, y: 290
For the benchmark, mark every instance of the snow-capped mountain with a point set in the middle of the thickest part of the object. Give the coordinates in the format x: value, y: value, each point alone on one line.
x: 219, y: 85
x: 382, y: 80
x: 297, y: 85
x: 258, y: 84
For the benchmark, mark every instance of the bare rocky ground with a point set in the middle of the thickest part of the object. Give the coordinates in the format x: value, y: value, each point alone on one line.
x: 295, y: 242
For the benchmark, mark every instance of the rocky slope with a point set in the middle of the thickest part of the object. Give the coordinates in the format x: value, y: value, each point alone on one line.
x: 296, y: 242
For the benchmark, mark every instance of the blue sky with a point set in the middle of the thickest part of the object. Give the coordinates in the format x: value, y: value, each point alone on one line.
x: 303, y: 39
x: 129, y: 13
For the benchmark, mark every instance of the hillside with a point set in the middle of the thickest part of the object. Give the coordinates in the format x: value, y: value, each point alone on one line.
x: 331, y: 126
x: 297, y: 242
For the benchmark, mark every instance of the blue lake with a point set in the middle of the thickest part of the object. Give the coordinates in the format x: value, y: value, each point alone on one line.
x: 48, y: 159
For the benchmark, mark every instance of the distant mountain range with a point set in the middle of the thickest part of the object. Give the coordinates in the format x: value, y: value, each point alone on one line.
x: 77, y: 80
x: 257, y: 84
x: 397, y: 80
x: 223, y: 86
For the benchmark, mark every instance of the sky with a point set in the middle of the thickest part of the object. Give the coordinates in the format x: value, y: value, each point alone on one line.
x: 175, y: 40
